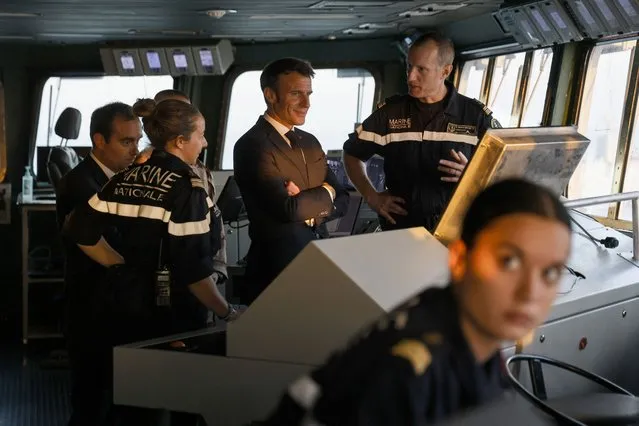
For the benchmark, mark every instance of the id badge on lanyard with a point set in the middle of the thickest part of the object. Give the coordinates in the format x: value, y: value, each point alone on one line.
x: 162, y: 287
x: 162, y: 283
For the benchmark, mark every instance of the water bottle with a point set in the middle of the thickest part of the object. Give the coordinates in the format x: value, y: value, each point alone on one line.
x: 27, y: 185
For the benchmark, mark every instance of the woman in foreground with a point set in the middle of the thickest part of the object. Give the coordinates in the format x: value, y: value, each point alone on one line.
x: 439, y: 353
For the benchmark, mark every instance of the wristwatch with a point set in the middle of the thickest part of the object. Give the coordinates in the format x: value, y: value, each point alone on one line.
x: 219, y: 277
x: 232, y: 311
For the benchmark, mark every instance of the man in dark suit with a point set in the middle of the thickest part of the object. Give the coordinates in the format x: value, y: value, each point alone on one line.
x: 115, y: 133
x: 287, y: 187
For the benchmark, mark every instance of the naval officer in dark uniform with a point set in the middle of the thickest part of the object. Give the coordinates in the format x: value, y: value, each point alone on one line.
x: 439, y: 352
x: 426, y: 138
x: 162, y: 211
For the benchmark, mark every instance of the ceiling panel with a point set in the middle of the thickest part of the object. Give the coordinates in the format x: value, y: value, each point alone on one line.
x: 90, y: 21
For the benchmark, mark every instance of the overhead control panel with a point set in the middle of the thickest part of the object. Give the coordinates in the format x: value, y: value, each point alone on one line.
x: 548, y: 22
x: 176, y: 61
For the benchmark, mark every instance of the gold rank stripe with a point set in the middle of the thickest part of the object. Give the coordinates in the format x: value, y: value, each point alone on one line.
x: 415, y: 352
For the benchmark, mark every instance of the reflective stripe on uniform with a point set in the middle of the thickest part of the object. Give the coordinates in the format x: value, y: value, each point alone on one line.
x: 190, y: 228
x: 129, y: 210
x: 427, y: 136
x: 152, y: 212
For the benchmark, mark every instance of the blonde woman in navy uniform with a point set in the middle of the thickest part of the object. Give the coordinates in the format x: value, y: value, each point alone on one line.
x: 162, y: 210
x: 439, y: 353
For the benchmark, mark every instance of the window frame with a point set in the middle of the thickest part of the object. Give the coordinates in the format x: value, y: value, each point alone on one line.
x: 522, y: 85
x: 233, y: 74
x: 39, y: 92
x: 631, y: 103
x: 573, y: 106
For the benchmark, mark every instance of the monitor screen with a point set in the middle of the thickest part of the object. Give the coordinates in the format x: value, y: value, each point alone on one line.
x: 153, y: 58
x: 345, y: 225
x: 179, y: 58
x: 230, y: 202
x: 374, y: 170
x: 128, y: 64
x: 207, y: 58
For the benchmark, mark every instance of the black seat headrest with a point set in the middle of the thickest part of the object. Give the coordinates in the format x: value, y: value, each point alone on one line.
x: 68, y: 124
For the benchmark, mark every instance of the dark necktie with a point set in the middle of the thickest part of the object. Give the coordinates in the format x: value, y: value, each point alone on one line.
x: 293, y: 138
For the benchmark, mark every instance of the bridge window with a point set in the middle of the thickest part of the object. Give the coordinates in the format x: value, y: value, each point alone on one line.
x: 503, y: 87
x: 513, y: 86
x: 631, y: 178
x: 472, y: 78
x: 533, y: 109
x: 86, y: 94
x: 342, y: 98
x: 601, y: 120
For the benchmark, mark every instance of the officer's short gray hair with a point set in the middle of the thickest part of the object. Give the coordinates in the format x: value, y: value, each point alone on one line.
x: 445, y: 47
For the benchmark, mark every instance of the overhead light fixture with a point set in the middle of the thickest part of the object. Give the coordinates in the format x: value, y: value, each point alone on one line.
x: 256, y: 35
x: 69, y: 35
x: 490, y: 49
x: 348, y: 4
x: 179, y: 32
x: 307, y: 16
x: 16, y: 37
x: 218, y: 13
x: 19, y: 15
x: 431, y: 9
x: 378, y: 26
x: 350, y: 31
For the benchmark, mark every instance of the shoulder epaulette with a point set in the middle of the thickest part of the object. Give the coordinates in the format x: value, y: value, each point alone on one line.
x: 415, y: 352
x: 197, y: 183
x: 390, y: 99
x: 484, y: 108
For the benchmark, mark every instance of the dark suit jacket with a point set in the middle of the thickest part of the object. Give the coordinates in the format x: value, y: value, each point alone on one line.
x: 80, y: 272
x: 263, y: 162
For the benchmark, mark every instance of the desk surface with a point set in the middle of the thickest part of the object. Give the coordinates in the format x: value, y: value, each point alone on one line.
x: 44, y: 199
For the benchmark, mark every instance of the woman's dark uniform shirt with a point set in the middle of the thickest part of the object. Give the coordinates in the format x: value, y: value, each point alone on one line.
x: 413, y: 367
x: 159, y: 204
x: 413, y: 136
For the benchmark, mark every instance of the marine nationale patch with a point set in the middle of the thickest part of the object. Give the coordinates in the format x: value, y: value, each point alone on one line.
x: 495, y: 124
x: 399, y: 123
x: 415, y: 352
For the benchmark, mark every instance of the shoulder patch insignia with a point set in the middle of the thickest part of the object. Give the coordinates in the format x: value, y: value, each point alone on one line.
x: 495, y: 124
x: 415, y: 352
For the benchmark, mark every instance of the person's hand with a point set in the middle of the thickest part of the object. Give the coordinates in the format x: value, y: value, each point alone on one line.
x: 291, y: 188
x: 386, y: 204
x: 235, y: 311
x: 454, y: 168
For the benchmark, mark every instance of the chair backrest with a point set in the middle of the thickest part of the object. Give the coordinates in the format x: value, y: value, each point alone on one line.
x: 62, y: 158
x: 68, y: 124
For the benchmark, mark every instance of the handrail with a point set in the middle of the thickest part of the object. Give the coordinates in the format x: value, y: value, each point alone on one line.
x: 605, y: 199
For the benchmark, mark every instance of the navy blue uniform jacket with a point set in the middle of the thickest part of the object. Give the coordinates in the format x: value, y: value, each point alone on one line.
x: 158, y: 205
x: 412, y: 147
x: 413, y: 367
